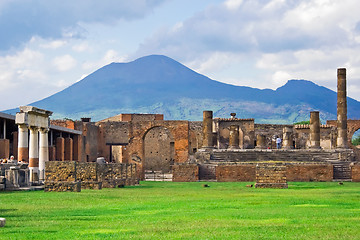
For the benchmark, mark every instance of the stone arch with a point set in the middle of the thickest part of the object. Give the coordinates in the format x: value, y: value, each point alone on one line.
x: 352, y: 127
x: 158, y: 149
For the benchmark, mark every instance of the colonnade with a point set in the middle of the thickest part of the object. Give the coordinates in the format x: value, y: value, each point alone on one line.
x: 36, y: 150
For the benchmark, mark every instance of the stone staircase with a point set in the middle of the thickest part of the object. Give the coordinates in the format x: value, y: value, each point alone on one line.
x: 158, y: 176
x: 284, y: 156
x: 339, y: 159
x: 342, y: 171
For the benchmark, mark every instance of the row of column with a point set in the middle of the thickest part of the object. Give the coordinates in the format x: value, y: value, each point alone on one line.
x: 36, y: 150
x: 341, y: 141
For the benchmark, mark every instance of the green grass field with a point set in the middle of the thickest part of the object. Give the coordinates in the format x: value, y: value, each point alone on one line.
x: 165, y: 210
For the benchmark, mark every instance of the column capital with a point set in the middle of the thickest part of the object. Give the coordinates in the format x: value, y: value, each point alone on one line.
x: 34, y: 128
x: 23, y: 125
x: 44, y: 130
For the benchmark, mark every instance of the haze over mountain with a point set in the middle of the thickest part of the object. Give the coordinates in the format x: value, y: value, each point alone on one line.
x: 158, y: 84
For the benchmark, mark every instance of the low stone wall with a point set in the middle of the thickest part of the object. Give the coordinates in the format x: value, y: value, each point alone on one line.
x: 295, y: 172
x: 236, y: 173
x: 72, y: 176
x: 62, y: 186
x: 355, y: 172
x: 309, y: 172
x: 185, y: 173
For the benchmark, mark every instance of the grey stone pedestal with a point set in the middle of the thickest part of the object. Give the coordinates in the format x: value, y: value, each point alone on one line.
x: 2, y: 222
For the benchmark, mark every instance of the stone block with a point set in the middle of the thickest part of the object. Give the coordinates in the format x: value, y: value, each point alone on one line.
x: 91, y: 185
x: 271, y: 185
x: 60, y: 171
x: 236, y: 173
x: 62, y: 186
x: 2, y: 222
x: 271, y: 175
x: 185, y: 173
x: 308, y: 172
x: 86, y: 171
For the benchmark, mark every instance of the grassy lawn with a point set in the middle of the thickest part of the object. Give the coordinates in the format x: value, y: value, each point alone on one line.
x: 165, y: 210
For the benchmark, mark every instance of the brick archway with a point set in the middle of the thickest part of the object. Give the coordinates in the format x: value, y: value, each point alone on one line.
x: 352, y: 127
x: 159, y: 149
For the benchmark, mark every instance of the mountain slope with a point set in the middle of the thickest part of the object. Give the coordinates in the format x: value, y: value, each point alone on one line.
x: 158, y: 84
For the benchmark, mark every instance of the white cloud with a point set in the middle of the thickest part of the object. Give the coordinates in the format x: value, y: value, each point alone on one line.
x: 54, y: 44
x: 233, y: 4
x: 81, y: 47
x: 56, y: 19
x: 110, y: 56
x: 64, y: 63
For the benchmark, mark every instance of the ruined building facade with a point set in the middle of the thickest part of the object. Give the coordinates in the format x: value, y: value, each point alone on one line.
x: 222, y: 149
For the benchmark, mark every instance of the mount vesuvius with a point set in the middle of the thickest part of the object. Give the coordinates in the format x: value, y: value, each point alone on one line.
x: 158, y: 84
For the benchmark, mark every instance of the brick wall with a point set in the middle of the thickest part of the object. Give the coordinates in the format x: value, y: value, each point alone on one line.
x: 185, y: 173
x: 235, y: 173
x: 355, y: 172
x: 308, y: 172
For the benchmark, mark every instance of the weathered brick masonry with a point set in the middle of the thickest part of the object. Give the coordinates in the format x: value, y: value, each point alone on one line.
x: 72, y: 176
x: 355, y: 172
x: 308, y: 172
x: 185, y: 173
x: 271, y: 175
x: 236, y: 173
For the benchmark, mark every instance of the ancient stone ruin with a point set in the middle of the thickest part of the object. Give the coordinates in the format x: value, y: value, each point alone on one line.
x: 214, y: 149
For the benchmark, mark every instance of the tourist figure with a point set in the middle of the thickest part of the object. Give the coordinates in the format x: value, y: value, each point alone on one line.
x: 278, y: 142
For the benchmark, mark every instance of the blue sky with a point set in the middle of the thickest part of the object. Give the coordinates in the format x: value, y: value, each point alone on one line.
x: 46, y: 46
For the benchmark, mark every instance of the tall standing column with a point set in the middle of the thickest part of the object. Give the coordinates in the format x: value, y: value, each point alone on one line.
x: 34, y: 154
x: 43, y: 153
x: 341, y: 109
x: 207, y: 129
x: 23, y: 143
x: 287, y: 138
x: 234, y: 137
x: 314, y: 130
x: 60, y: 149
x: 68, y: 151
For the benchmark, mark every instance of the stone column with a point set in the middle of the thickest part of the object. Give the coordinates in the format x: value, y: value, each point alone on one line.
x: 234, y: 137
x: 68, y: 153
x: 207, y: 129
x: 77, y: 148
x: 15, y: 144
x: 260, y: 141
x: 314, y: 130
x: 4, y: 128
x: 341, y: 109
x: 60, y: 149
x: 34, y: 154
x: 23, y: 143
x: 43, y: 153
x: 287, y: 138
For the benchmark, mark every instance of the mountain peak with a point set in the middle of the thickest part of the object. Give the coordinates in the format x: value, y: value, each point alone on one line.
x: 159, y: 84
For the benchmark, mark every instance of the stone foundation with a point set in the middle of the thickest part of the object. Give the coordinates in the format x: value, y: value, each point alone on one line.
x: 185, y: 173
x: 271, y: 175
x: 236, y: 173
x: 65, y: 175
x: 62, y: 186
x: 309, y: 172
